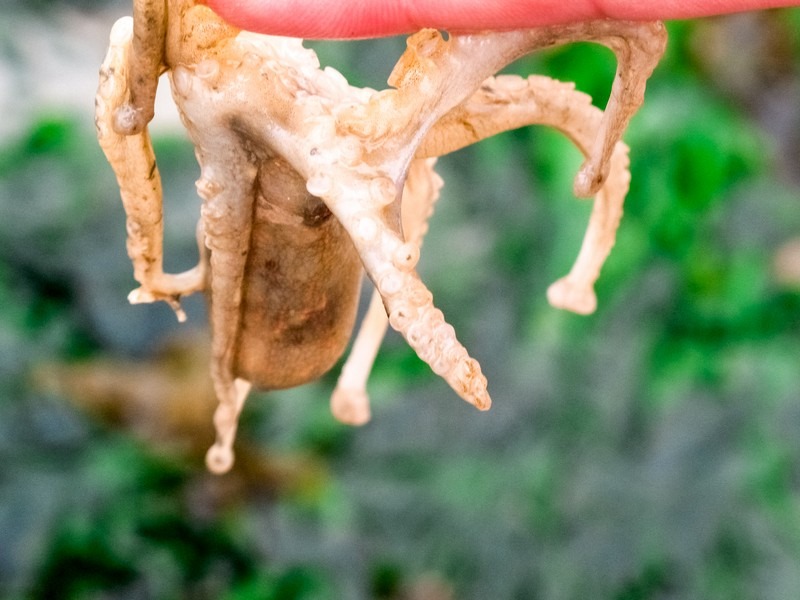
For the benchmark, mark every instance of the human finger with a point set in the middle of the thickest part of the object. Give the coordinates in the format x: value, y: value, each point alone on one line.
x: 339, y: 19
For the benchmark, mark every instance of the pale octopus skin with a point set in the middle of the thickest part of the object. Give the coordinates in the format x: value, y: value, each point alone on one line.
x: 307, y: 182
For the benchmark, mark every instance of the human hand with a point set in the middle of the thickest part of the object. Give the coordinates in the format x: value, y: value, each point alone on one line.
x: 339, y: 19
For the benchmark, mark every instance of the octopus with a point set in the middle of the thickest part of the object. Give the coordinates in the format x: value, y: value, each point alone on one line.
x: 307, y: 183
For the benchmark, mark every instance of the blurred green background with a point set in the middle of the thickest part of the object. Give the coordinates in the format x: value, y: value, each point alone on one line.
x: 648, y: 451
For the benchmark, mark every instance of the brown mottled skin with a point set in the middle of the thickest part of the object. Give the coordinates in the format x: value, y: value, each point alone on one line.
x: 296, y: 318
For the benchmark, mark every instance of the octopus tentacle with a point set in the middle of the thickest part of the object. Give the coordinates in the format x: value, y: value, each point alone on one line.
x: 227, y: 221
x: 350, y: 402
x: 134, y: 164
x: 638, y: 48
x: 507, y: 102
x: 435, y: 75
x: 389, y: 261
x: 146, y: 63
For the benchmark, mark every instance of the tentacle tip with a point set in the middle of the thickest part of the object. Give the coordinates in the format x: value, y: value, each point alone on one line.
x: 483, y: 403
x: 141, y: 296
x: 175, y: 305
x: 479, y: 394
x: 121, y: 31
x: 219, y: 459
x: 567, y: 295
x: 350, y: 406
